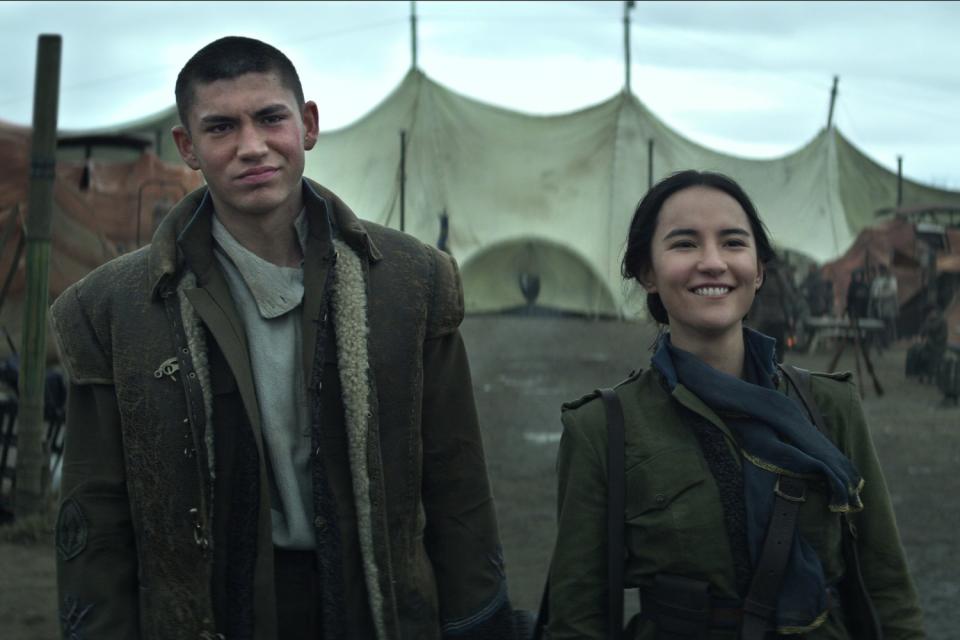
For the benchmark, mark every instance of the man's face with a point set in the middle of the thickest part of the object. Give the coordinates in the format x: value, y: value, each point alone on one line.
x: 248, y: 135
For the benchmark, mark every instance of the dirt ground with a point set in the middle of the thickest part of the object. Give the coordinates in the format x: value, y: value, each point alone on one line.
x: 525, y: 366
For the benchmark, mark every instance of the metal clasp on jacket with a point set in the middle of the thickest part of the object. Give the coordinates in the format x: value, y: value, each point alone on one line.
x: 199, y: 535
x: 167, y: 368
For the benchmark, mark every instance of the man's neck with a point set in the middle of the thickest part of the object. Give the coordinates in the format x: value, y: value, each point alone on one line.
x: 272, y: 237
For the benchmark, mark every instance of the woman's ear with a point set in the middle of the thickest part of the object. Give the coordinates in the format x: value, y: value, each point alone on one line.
x: 761, y: 273
x: 648, y: 282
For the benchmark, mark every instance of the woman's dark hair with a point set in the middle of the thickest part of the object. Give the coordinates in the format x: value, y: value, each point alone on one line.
x: 637, y: 259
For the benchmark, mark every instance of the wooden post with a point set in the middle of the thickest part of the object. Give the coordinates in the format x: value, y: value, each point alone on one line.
x: 833, y: 100
x: 403, y: 177
x: 899, y: 181
x: 627, y: 5
x: 413, y: 34
x: 31, y: 462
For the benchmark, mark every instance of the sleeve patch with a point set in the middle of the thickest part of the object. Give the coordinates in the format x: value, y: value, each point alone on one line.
x: 71, y: 538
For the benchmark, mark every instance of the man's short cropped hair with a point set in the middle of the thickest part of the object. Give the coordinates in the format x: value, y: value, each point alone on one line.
x: 229, y: 58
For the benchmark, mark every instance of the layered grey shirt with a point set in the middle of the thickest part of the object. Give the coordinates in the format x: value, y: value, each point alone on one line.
x: 268, y: 298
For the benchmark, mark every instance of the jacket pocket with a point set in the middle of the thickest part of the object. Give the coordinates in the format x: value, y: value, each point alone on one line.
x: 667, y: 508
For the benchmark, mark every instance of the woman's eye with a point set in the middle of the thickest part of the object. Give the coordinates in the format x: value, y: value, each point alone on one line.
x: 682, y: 244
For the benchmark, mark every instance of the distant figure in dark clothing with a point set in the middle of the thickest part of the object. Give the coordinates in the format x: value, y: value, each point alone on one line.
x: 774, y: 310
x: 858, y: 296
x: 933, y: 341
x: 815, y: 291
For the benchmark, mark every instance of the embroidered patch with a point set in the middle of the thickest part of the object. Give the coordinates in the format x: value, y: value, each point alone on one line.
x: 72, y: 614
x: 71, y: 530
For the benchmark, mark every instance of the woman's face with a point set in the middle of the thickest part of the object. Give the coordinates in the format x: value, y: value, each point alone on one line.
x: 704, y: 264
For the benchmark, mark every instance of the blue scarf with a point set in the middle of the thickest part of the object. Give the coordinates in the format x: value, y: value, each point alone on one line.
x: 775, y: 437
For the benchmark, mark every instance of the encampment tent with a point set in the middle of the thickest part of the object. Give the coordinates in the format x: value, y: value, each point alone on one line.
x: 548, y: 198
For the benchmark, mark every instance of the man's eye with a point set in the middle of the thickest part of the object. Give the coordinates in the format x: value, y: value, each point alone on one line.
x: 218, y: 128
x: 274, y: 119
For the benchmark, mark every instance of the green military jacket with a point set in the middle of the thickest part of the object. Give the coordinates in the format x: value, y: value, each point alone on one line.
x: 161, y: 392
x: 674, y: 519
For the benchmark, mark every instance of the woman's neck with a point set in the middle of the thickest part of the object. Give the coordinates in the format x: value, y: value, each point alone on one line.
x: 722, y: 352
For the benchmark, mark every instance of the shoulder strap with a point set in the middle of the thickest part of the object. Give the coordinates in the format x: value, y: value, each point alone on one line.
x: 616, y: 489
x: 760, y: 605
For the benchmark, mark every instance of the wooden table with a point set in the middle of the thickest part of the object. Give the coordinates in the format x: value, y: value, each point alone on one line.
x: 830, y: 327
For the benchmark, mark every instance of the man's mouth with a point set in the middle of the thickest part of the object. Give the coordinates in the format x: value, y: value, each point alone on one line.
x: 259, y: 174
x: 711, y: 292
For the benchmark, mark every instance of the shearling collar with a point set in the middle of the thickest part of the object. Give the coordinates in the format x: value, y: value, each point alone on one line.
x: 189, y: 222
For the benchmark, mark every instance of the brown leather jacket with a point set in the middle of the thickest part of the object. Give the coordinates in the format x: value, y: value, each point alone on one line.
x: 162, y: 400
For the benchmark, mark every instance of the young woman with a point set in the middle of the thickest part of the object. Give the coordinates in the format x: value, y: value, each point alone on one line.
x: 716, y: 443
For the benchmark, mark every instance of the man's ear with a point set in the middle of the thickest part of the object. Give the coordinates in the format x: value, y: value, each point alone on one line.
x: 311, y: 126
x: 185, y: 146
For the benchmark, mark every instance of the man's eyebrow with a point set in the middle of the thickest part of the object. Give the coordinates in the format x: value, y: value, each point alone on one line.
x: 271, y: 110
x: 215, y: 119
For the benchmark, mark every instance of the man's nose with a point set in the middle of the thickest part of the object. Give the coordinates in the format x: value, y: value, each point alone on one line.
x: 252, y: 142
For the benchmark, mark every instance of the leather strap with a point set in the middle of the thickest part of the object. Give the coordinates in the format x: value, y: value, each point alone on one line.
x: 760, y: 605
x: 616, y: 489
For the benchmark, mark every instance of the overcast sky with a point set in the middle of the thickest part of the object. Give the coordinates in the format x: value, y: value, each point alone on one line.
x: 749, y: 78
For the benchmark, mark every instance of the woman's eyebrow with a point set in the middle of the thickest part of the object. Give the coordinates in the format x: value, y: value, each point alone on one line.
x: 679, y: 232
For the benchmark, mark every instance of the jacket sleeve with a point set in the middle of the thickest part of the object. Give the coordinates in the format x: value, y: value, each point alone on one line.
x: 461, y: 534
x: 882, y: 559
x: 578, y: 572
x: 96, y: 553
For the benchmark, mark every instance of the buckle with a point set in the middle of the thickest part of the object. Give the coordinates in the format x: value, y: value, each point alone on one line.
x: 791, y: 489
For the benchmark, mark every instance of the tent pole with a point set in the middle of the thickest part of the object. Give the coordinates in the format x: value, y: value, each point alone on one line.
x: 627, y: 5
x: 899, y: 181
x: 649, y: 163
x: 30, y: 493
x: 833, y: 100
x: 403, y: 177
x: 413, y: 34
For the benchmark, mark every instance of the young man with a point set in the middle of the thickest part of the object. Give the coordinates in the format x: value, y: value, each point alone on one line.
x: 271, y: 426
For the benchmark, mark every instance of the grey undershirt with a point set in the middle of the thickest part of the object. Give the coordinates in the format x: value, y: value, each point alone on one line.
x: 269, y: 300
